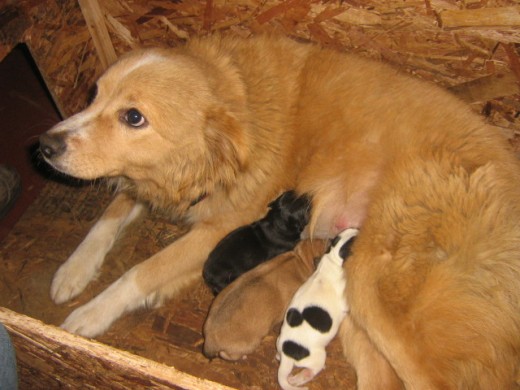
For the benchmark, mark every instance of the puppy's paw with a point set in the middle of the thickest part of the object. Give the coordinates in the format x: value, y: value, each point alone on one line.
x: 301, y: 377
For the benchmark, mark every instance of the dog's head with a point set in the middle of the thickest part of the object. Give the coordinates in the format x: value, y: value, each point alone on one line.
x: 159, y: 118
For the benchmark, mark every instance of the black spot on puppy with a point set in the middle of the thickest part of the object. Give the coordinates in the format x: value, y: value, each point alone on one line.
x: 333, y: 243
x: 294, y: 317
x: 346, y: 250
x: 318, y: 318
x: 294, y: 350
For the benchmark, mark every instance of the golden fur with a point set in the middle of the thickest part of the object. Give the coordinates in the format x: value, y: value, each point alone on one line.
x: 434, y: 280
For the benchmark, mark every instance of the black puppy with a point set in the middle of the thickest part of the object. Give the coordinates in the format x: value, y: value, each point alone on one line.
x: 246, y: 247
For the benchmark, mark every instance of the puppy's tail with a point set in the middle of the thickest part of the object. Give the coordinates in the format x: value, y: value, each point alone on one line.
x: 284, y: 370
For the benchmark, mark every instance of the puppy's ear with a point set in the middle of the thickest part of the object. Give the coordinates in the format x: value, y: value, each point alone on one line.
x: 227, y: 142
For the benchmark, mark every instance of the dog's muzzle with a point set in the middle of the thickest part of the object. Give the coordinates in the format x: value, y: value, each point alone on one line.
x: 52, y: 145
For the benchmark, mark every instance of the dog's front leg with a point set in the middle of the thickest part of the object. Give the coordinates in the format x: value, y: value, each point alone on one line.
x: 150, y: 282
x: 82, y: 266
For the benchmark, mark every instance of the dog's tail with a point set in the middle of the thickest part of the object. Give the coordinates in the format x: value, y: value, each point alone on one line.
x: 284, y: 370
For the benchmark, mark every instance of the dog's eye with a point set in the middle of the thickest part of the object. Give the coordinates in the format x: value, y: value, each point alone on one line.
x: 134, y: 118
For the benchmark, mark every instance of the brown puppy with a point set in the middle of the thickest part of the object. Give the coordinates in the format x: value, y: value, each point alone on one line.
x: 213, y: 131
x: 250, y: 307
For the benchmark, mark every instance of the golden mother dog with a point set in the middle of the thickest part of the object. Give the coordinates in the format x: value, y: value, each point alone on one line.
x: 213, y: 131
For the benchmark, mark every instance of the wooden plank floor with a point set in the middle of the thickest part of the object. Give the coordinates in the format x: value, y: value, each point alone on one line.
x: 56, y: 223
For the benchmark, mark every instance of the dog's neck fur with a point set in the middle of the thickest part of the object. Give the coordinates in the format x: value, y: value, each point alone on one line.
x: 171, y: 204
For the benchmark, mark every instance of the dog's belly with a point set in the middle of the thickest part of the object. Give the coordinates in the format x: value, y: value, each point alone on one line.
x: 341, y: 205
x: 336, y: 218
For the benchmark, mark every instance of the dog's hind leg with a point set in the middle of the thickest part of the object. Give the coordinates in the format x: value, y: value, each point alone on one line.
x: 82, y: 266
x: 372, y: 369
x: 150, y: 282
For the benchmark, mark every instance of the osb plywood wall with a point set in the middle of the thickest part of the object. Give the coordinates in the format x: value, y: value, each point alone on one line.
x: 470, y: 46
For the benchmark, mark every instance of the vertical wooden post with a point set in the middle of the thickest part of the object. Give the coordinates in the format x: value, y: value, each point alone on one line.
x: 99, y: 32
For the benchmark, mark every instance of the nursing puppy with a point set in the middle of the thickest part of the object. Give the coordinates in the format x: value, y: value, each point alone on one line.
x: 250, y: 307
x: 211, y: 132
x: 314, y: 316
x: 248, y: 246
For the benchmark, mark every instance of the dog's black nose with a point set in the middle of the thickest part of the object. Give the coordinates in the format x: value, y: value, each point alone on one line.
x: 52, y: 145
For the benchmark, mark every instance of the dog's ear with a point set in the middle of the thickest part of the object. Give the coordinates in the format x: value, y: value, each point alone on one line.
x: 227, y: 142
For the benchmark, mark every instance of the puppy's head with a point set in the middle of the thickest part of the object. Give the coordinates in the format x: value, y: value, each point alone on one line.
x: 291, y: 211
x: 157, y: 118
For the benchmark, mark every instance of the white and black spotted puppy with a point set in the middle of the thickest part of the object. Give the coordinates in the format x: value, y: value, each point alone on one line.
x: 313, y: 317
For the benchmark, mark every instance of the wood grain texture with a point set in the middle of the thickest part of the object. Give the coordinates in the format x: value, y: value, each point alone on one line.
x: 99, y: 32
x: 49, y: 357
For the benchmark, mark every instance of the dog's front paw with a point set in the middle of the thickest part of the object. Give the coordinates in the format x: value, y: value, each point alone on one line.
x: 89, y: 320
x: 71, y: 279
x: 77, y: 272
x: 96, y: 316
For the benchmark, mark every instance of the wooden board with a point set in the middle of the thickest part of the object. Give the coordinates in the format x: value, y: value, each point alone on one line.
x: 52, y: 358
